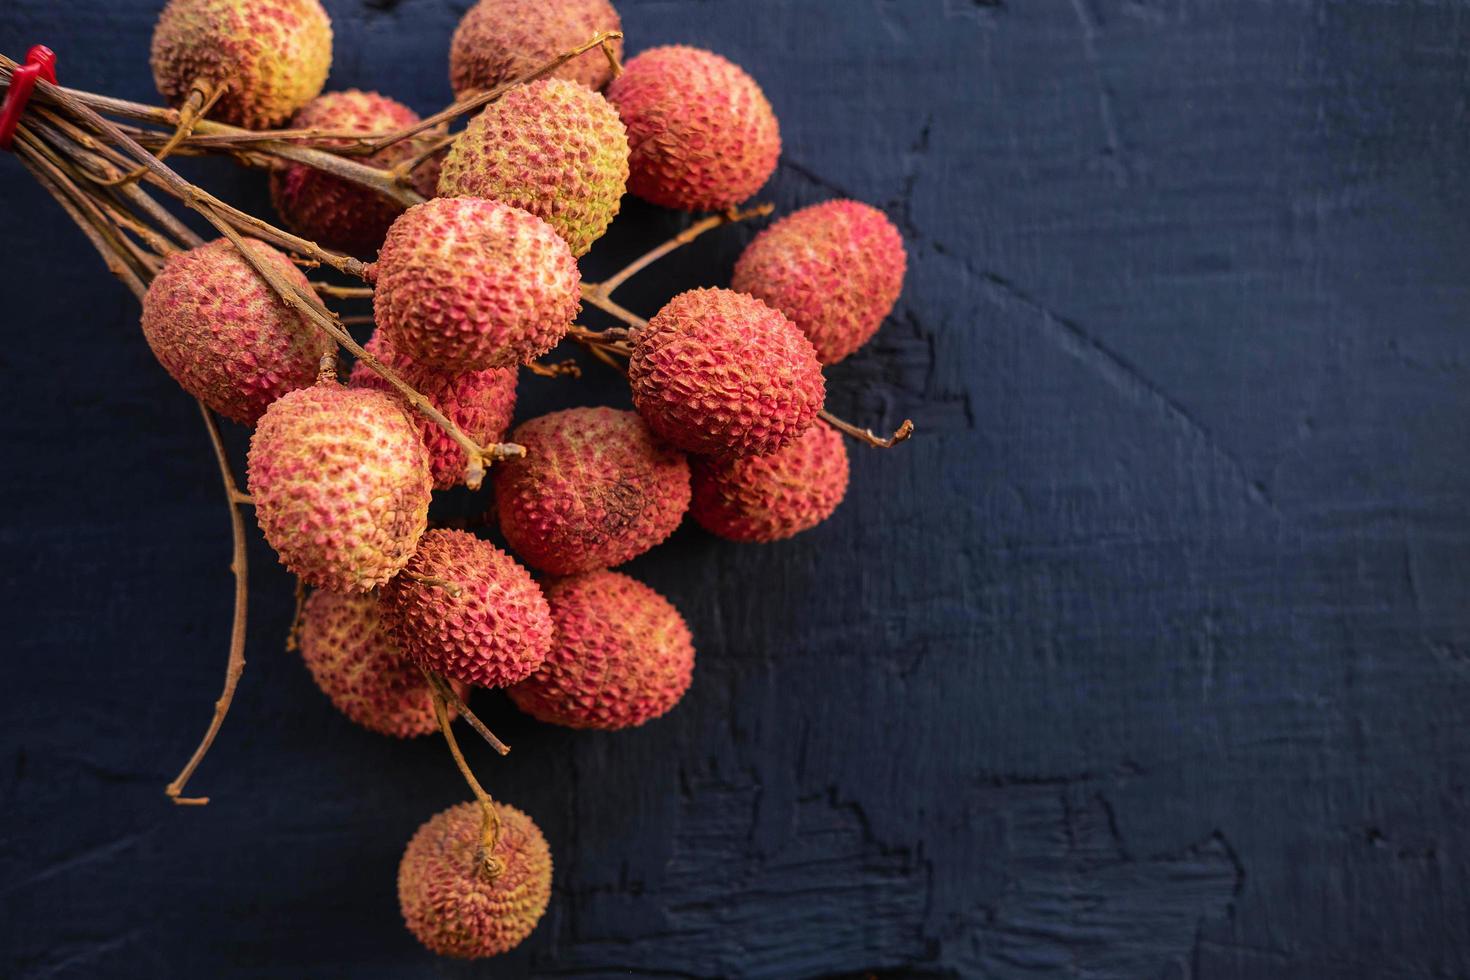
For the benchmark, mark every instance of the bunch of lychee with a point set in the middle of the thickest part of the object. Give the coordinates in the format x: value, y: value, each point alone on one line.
x: 470, y: 286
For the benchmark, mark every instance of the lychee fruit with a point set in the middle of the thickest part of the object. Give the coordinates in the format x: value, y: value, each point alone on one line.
x: 594, y: 490
x: 720, y: 373
x: 622, y: 655
x: 702, y: 136
x: 481, y: 403
x: 271, y: 56
x: 553, y: 148
x: 336, y: 212
x: 464, y: 284
x: 835, y: 269
x: 357, y: 665
x: 453, y: 903
x: 224, y: 335
x: 465, y: 609
x: 499, y: 41
x: 767, y: 498
x: 341, y: 485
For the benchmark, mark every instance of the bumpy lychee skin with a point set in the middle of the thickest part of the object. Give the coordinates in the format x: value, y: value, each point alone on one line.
x: 341, y: 485
x: 594, y: 490
x: 465, y: 609
x: 465, y: 284
x: 481, y: 403
x: 457, y: 908
x: 498, y: 41
x: 334, y: 212
x: 553, y: 148
x: 722, y: 374
x: 224, y: 335
x: 835, y: 269
x: 702, y: 135
x: 623, y: 655
x: 272, y: 56
x: 767, y: 498
x: 358, y: 666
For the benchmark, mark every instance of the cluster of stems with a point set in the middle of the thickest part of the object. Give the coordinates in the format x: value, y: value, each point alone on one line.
x: 103, y: 160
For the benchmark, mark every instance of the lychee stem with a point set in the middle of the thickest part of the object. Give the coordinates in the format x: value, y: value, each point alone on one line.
x: 592, y: 294
x: 343, y: 292
x: 480, y: 99
x: 202, y: 97
x: 558, y: 369
x: 235, y: 665
x: 606, y: 287
x: 490, y: 865
x: 868, y: 436
x: 455, y: 701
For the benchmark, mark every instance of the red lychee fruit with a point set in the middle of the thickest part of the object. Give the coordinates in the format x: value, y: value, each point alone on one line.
x: 722, y: 374
x: 622, y: 655
x: 767, y: 498
x: 453, y: 904
x: 358, y: 666
x: 272, y: 56
x: 465, y: 609
x: 335, y: 212
x: 341, y: 485
x: 464, y: 284
x: 224, y: 335
x: 481, y: 403
x: 499, y: 41
x: 835, y: 269
x: 554, y: 148
x: 702, y: 136
x: 594, y: 489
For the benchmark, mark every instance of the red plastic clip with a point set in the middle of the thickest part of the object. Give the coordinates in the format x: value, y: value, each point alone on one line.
x: 40, y: 62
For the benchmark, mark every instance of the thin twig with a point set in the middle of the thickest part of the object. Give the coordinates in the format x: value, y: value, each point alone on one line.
x: 446, y: 690
x: 868, y: 436
x: 608, y: 285
x: 490, y: 865
x: 235, y: 665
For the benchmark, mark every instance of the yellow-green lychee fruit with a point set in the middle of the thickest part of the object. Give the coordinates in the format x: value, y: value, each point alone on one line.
x: 553, y: 148
x: 271, y: 56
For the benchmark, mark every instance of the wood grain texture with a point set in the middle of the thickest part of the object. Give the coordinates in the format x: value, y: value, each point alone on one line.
x: 1148, y: 658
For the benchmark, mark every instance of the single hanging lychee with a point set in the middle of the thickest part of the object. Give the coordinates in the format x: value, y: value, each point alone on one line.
x: 722, y: 374
x: 454, y: 902
x: 224, y: 335
x: 465, y: 609
x: 622, y: 655
x: 335, y: 212
x: 481, y: 403
x: 835, y: 269
x: 553, y: 148
x: 463, y: 284
x: 767, y: 498
x: 701, y: 134
x: 271, y: 56
x: 594, y: 489
x: 358, y: 666
x: 499, y: 41
x: 341, y: 485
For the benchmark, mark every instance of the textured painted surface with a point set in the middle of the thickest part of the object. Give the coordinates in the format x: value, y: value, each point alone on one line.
x: 1150, y: 657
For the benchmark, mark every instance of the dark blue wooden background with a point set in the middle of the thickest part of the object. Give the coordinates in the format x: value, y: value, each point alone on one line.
x: 1148, y: 657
